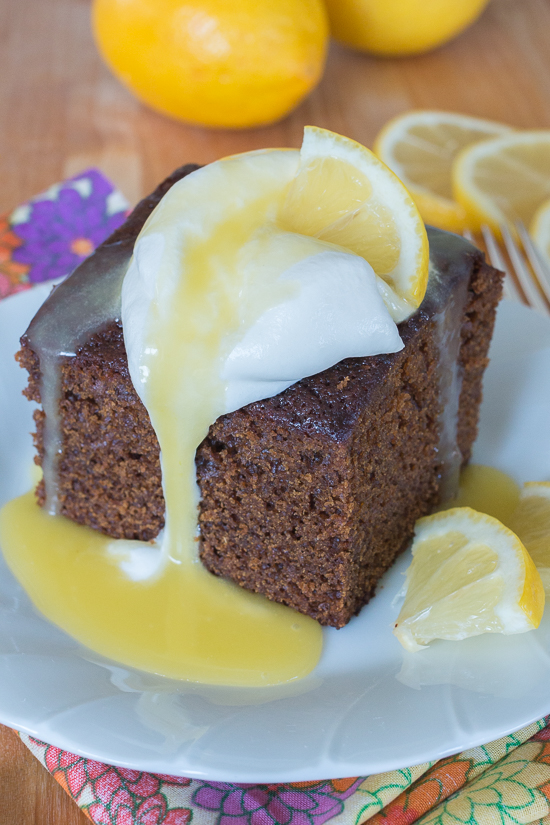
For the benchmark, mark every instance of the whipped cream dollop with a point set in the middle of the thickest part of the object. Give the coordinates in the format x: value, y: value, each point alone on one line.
x: 326, y: 306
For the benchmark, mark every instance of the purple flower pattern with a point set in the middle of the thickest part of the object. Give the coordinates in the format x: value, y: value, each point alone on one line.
x: 60, y: 228
x: 301, y: 803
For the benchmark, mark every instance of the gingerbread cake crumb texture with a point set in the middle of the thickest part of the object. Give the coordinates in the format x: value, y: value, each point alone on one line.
x: 307, y: 497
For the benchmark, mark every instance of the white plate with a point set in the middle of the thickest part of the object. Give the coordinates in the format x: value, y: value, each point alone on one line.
x: 368, y: 707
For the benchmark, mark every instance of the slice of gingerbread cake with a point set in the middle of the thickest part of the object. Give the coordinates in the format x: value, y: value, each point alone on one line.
x: 306, y: 497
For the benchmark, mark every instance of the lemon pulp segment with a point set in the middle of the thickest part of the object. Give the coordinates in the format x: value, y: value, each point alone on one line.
x: 469, y: 575
x: 531, y: 522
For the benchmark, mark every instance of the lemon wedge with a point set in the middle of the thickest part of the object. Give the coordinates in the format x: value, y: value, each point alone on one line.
x: 531, y: 521
x: 343, y: 194
x: 469, y: 575
x: 540, y: 229
x: 504, y: 179
x: 420, y: 146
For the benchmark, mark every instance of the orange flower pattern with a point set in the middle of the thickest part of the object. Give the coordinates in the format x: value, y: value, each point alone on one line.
x: 13, y: 275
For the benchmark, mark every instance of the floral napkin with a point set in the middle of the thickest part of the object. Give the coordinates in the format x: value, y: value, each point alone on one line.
x: 506, y: 782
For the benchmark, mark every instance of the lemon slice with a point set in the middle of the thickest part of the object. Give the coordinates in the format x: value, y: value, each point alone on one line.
x: 420, y: 146
x: 531, y: 522
x: 469, y: 575
x: 504, y: 179
x: 343, y: 194
x: 540, y: 229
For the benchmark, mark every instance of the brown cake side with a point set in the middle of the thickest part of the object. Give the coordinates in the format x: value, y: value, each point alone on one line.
x: 306, y: 497
x: 97, y: 397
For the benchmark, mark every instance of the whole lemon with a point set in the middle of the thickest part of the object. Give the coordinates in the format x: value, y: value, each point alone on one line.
x: 221, y: 63
x: 400, y: 27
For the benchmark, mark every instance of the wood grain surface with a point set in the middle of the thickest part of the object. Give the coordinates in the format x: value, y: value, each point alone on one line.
x: 61, y: 112
x: 28, y: 794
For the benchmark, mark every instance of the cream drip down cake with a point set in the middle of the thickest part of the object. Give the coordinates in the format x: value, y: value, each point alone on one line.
x: 306, y: 496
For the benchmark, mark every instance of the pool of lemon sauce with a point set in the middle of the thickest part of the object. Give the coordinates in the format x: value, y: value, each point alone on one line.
x: 180, y: 621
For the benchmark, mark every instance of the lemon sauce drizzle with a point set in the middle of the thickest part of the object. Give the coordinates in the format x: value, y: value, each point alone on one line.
x: 178, y: 619
x: 182, y: 621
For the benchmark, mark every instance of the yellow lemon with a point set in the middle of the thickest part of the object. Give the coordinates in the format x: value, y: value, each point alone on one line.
x: 531, y: 522
x: 400, y: 27
x: 343, y: 194
x: 469, y: 575
x: 212, y: 62
x: 420, y: 146
x: 504, y: 179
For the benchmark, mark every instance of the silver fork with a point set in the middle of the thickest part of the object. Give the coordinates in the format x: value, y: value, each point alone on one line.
x: 527, y: 275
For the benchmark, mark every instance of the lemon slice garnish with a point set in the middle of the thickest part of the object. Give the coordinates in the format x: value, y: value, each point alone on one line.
x: 420, y: 146
x: 504, y: 179
x: 469, y: 575
x: 531, y: 522
x: 343, y: 194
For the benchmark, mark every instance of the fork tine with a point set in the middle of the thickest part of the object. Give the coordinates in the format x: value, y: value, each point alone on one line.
x: 497, y: 260
x: 523, y: 274
x: 540, y: 268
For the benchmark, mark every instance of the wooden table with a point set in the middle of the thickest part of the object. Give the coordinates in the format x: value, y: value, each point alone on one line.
x: 61, y: 112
